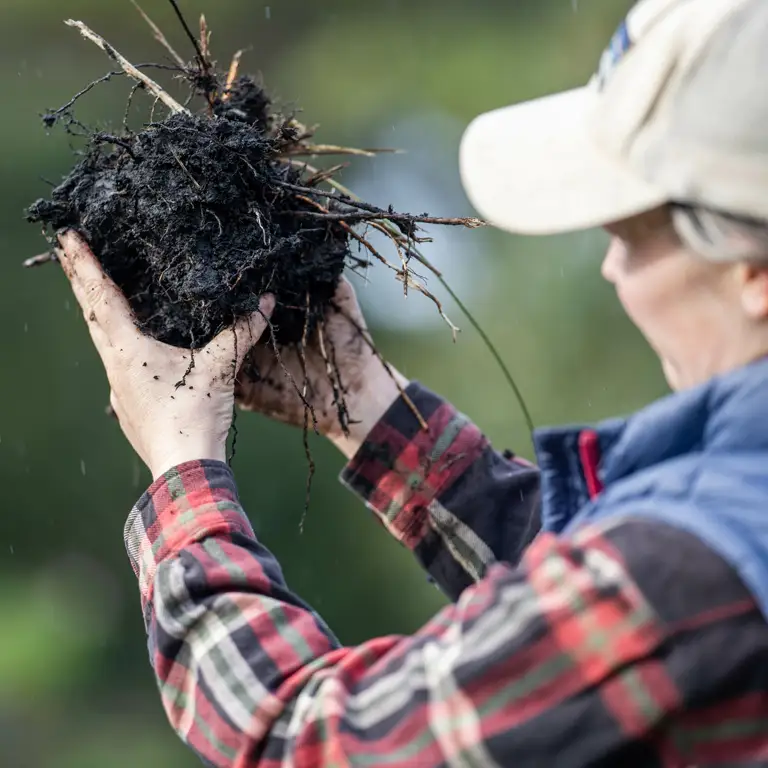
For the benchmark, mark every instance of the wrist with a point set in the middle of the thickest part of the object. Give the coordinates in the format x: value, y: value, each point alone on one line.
x: 175, y: 456
x: 367, y: 408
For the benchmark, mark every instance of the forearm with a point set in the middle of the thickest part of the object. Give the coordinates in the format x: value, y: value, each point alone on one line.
x: 444, y: 492
x: 367, y: 408
x: 231, y: 646
x: 251, y: 677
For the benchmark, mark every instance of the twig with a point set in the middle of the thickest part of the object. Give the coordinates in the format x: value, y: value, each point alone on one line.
x: 129, y: 69
x: 470, y: 222
x: 232, y: 75
x: 316, y: 150
x: 205, y: 38
x: 204, y: 64
x: 159, y: 36
x: 321, y: 176
x: 308, y: 190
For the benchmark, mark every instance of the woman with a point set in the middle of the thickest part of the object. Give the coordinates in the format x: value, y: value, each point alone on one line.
x: 610, y: 606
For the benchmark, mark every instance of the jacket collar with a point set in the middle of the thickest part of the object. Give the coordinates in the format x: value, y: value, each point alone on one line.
x: 728, y: 413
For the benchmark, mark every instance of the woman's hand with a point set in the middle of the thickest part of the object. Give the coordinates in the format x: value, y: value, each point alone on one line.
x: 171, y: 408
x: 341, y: 347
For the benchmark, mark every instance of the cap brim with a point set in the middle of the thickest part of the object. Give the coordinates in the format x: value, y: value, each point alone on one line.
x: 533, y: 169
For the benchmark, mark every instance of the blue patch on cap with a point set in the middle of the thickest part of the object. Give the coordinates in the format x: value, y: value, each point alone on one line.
x: 620, y: 43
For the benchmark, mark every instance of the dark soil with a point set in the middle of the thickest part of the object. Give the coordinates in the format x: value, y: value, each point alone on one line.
x: 191, y: 218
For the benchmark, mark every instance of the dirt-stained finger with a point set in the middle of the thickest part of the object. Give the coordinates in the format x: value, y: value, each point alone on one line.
x: 346, y: 298
x: 230, y: 348
x: 100, y: 299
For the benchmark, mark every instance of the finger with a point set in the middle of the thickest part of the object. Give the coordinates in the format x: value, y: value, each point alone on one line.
x: 113, y: 404
x: 345, y: 296
x: 102, y: 302
x: 346, y: 305
x: 246, y: 331
x: 114, y: 409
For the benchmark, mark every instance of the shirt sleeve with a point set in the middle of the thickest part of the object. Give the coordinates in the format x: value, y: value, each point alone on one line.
x: 584, y: 650
x: 445, y: 493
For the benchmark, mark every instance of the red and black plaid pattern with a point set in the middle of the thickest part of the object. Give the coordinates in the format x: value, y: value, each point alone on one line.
x: 631, y: 644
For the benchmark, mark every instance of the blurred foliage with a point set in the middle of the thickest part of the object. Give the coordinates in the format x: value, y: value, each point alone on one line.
x: 75, y: 687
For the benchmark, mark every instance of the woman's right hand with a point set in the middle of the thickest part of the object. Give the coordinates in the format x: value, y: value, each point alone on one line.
x: 369, y: 389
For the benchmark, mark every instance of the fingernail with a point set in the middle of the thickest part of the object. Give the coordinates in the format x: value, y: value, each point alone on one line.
x: 266, y: 305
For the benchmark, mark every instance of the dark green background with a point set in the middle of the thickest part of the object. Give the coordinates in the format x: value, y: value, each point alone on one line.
x: 75, y: 686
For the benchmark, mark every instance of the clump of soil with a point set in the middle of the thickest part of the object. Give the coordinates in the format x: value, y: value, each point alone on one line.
x: 197, y: 215
x: 191, y: 218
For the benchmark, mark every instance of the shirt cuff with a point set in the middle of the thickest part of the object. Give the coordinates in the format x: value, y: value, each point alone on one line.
x: 401, y: 468
x: 189, y: 503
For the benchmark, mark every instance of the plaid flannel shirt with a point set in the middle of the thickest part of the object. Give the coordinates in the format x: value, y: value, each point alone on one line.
x: 628, y: 644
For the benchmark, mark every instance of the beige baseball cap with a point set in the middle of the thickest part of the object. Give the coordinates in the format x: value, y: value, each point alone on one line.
x: 677, y: 112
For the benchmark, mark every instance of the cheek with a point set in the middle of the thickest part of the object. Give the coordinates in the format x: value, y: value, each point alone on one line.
x: 653, y: 301
x: 645, y: 300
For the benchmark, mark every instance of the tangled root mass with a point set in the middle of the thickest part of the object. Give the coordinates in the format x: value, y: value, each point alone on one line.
x: 192, y: 219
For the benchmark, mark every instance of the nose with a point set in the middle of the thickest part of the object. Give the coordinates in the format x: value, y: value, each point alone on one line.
x: 609, y: 267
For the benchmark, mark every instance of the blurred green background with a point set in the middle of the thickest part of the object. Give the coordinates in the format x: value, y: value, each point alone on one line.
x: 76, y: 690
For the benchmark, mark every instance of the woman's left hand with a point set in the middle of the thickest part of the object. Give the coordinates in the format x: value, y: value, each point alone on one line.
x: 166, y: 421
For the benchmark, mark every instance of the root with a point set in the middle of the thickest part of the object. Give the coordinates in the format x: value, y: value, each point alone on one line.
x: 342, y: 410
x: 318, y: 150
x: 129, y: 68
x: 235, y: 431
x: 305, y: 430
x: 404, y: 275
x: 396, y: 235
x: 136, y: 87
x: 51, y: 117
x: 287, y: 373
x: 310, y: 473
x: 387, y: 367
x: 234, y: 405
x: 159, y: 36
x: 190, y: 368
x: 205, y: 65
x: 321, y: 176
x: 335, y: 381
x: 355, y: 217
x: 278, y: 214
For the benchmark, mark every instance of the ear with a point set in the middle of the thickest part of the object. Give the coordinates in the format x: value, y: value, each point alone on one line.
x: 753, y: 279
